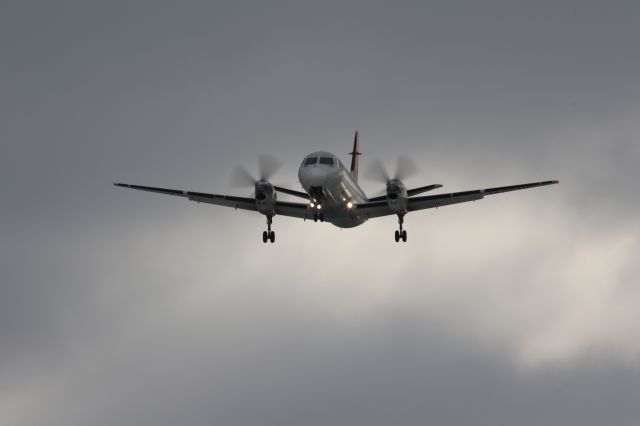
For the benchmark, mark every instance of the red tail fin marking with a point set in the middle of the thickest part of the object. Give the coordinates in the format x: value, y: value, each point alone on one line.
x: 354, y: 155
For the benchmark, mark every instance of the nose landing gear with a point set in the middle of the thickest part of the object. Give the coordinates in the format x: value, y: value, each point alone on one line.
x: 269, y: 235
x: 401, y: 233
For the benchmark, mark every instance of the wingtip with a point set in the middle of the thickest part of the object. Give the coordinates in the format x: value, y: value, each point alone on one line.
x: 555, y: 181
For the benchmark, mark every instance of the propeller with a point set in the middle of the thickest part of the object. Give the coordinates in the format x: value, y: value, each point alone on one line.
x: 405, y: 168
x: 267, y: 167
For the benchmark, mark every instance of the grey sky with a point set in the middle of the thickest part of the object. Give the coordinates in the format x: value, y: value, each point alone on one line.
x: 128, y: 308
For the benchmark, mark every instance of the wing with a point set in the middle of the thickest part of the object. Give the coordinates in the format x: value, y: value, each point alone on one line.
x: 380, y: 208
x: 299, y: 210
x: 284, y: 208
x: 410, y: 192
x: 292, y: 192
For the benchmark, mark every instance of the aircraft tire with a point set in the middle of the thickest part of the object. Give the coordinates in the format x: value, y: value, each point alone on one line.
x: 265, y: 236
x: 272, y: 237
x: 397, y: 235
x: 404, y: 236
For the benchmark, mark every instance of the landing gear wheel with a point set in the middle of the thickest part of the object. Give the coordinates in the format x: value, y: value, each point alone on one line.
x: 401, y: 233
x: 269, y: 235
x: 315, y: 217
x: 321, y: 217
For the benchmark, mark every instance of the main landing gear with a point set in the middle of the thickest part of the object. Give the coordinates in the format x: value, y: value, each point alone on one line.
x: 401, y: 234
x: 318, y: 217
x: 269, y: 235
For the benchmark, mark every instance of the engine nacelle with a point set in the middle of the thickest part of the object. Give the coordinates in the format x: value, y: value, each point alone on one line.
x: 397, y: 197
x: 265, y: 197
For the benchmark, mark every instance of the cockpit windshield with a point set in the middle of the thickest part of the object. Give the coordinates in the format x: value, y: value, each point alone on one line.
x: 327, y: 160
x: 311, y: 160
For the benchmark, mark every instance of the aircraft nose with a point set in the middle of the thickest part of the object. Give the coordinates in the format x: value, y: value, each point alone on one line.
x: 316, y: 176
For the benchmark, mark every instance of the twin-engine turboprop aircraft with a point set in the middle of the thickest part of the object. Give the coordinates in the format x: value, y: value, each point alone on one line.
x: 332, y: 193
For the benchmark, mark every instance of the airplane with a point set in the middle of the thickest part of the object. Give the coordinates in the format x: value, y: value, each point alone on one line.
x: 332, y: 193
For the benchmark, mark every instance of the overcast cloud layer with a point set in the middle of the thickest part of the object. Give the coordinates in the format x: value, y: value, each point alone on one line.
x: 126, y: 308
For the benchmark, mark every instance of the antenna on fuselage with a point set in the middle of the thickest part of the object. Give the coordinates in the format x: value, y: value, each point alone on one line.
x: 354, y: 155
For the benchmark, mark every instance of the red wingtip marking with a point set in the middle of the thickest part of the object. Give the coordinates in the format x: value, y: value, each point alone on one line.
x: 555, y: 181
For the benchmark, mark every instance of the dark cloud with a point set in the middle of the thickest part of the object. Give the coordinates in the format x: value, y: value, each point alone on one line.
x: 126, y: 308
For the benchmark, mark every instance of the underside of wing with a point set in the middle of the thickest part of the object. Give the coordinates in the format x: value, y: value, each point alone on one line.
x: 378, y: 207
x: 200, y: 197
x: 373, y: 209
x: 284, y: 208
x: 299, y: 210
x: 292, y: 192
x: 438, y: 200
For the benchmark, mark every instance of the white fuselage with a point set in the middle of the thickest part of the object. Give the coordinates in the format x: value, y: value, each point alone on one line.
x: 333, y: 190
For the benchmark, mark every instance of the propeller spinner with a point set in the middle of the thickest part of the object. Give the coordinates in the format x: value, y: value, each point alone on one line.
x: 264, y: 191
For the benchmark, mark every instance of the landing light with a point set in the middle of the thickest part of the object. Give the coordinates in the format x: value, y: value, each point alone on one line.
x: 349, y: 205
x: 312, y: 205
x: 319, y: 206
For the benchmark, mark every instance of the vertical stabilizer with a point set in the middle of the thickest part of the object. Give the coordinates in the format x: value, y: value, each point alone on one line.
x: 354, y: 156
